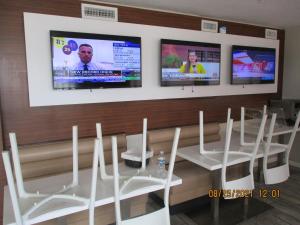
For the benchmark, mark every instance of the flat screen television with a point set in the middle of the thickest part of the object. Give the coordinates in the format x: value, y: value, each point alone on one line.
x: 89, y: 61
x: 189, y: 63
x: 253, y: 65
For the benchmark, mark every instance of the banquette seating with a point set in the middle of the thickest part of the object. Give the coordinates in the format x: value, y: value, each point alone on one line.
x: 53, y: 158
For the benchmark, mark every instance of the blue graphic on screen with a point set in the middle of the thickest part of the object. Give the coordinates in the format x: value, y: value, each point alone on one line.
x: 78, y: 61
x: 255, y: 65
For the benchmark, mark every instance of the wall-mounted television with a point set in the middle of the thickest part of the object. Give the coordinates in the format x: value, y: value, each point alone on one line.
x: 253, y: 65
x: 88, y: 61
x: 189, y: 63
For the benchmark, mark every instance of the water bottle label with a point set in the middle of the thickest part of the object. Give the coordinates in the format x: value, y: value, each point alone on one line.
x: 161, y: 162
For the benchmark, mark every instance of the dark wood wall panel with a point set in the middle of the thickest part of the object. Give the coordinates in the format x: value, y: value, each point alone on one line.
x: 42, y: 124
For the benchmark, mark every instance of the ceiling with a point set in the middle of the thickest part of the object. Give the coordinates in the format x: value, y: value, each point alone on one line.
x: 272, y: 13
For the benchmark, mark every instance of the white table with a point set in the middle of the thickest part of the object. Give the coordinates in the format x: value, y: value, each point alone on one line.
x: 252, y: 126
x: 213, y: 162
x: 104, y: 195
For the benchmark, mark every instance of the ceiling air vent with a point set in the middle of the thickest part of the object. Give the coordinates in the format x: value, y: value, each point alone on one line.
x: 98, y: 12
x: 210, y: 26
x: 271, y: 34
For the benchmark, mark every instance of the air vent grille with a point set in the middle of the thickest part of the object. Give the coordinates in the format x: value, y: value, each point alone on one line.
x: 89, y: 11
x: 271, y: 34
x: 210, y: 26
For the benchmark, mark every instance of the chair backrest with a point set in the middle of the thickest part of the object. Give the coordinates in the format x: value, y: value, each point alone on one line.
x: 245, y: 183
x: 12, y: 188
x: 32, y: 213
x: 159, y: 217
x: 103, y: 174
x: 201, y: 129
x: 144, y: 144
x: 17, y: 165
x: 138, y: 144
x: 242, y: 126
x: 280, y: 173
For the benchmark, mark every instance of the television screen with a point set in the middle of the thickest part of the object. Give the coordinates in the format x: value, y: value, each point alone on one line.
x: 253, y: 65
x: 87, y: 61
x: 189, y: 63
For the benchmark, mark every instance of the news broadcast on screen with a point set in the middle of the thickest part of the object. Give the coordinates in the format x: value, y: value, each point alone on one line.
x: 95, y: 61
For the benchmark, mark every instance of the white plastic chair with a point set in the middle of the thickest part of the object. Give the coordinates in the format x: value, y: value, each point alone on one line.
x: 280, y: 173
x: 201, y: 133
x: 18, y: 170
x: 103, y: 172
x: 138, y: 149
x: 246, y: 183
x: 34, y: 208
x: 242, y: 126
x: 138, y: 183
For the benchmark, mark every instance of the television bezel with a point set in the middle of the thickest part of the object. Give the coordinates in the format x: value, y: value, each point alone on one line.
x: 251, y: 80
x: 188, y: 83
x: 94, y: 36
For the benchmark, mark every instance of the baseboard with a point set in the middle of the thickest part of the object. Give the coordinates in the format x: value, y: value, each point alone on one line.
x: 294, y: 164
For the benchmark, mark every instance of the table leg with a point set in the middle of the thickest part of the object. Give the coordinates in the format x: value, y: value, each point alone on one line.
x: 246, y: 206
x: 259, y: 170
x: 215, y: 201
x: 280, y: 158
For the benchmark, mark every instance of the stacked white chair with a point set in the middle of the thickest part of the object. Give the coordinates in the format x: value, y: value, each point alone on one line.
x: 201, y: 133
x: 138, y: 183
x: 31, y: 208
x: 280, y: 173
x: 245, y: 183
x: 103, y: 172
x: 242, y: 126
x: 232, y: 188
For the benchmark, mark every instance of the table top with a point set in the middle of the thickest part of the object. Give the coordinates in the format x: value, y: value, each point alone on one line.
x: 214, y: 161
x: 104, y: 194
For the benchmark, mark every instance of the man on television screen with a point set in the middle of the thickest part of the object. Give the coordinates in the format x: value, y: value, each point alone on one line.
x: 85, y: 53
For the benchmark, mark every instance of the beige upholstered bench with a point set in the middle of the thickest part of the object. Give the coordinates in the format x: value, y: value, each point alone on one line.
x: 48, y: 159
x: 196, y: 181
x: 56, y: 157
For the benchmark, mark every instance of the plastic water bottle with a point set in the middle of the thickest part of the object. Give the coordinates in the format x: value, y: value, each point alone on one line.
x: 161, y: 164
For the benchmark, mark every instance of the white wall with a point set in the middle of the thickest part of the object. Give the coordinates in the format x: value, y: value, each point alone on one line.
x: 38, y: 56
x: 291, y: 80
x: 291, y: 76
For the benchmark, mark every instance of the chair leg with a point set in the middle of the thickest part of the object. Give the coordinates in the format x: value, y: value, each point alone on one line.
x: 215, y: 201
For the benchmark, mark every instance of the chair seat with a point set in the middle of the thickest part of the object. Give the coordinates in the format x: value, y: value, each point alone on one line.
x: 155, y: 218
x: 238, y: 187
x: 277, y: 174
x: 54, y: 208
x: 233, y: 157
x: 244, y: 183
x: 137, y: 184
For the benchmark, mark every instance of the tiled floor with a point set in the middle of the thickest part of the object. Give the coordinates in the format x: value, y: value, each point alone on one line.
x: 285, y: 211
x: 286, y: 208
